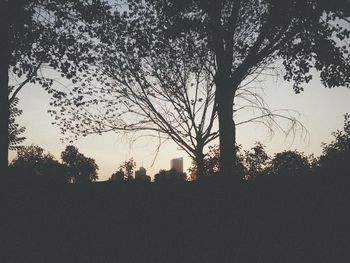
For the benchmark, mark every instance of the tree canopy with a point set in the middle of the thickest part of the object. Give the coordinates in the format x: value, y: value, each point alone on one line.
x: 153, y: 50
x: 336, y: 155
x: 247, y: 36
x: 35, y: 34
x: 80, y: 169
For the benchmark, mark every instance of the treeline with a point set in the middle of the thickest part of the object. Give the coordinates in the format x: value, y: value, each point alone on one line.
x: 255, y: 162
x: 32, y: 163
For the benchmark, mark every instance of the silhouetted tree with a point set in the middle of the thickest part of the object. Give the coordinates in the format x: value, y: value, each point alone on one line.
x: 289, y: 163
x: 37, y: 33
x: 153, y: 83
x: 212, y: 163
x: 335, y: 158
x: 171, y: 175
x: 15, y: 131
x: 255, y: 161
x: 243, y: 37
x: 125, y: 172
x: 164, y: 91
x: 80, y: 168
x: 31, y: 163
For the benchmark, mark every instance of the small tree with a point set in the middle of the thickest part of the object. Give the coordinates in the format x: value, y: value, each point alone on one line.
x: 125, y: 172
x: 80, y: 168
x: 128, y: 167
x: 255, y: 161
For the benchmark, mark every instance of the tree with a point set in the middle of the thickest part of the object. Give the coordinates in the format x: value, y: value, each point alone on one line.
x: 212, y: 163
x: 37, y: 33
x: 152, y: 83
x: 164, y: 176
x: 128, y: 168
x: 336, y: 155
x: 81, y: 169
x: 289, y: 163
x: 164, y: 91
x: 245, y: 36
x: 256, y: 161
x: 31, y: 163
x: 125, y: 171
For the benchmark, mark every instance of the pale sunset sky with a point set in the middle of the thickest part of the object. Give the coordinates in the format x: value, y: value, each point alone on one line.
x: 321, y: 110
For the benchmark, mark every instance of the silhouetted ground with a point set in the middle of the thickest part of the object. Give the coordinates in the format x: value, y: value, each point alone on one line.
x: 269, y: 220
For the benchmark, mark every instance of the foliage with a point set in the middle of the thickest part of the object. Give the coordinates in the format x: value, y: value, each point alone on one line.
x: 245, y: 37
x: 147, y: 83
x: 32, y: 163
x: 15, y: 131
x: 164, y: 176
x: 81, y: 169
x: 125, y: 172
x: 38, y: 36
x: 151, y: 49
x: 289, y: 163
x: 51, y: 32
x: 256, y: 161
x: 128, y: 167
x: 212, y: 163
x: 336, y: 154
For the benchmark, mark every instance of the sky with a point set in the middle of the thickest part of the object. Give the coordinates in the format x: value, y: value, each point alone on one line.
x: 321, y: 112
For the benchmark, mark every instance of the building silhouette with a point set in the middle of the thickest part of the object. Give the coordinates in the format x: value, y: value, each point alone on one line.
x: 140, y: 175
x: 177, y: 164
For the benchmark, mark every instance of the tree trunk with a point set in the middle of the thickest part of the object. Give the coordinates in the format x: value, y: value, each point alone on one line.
x: 4, y: 92
x: 200, y: 173
x: 4, y: 117
x: 227, y: 127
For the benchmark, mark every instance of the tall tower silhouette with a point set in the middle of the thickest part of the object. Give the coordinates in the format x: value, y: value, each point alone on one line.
x: 177, y: 164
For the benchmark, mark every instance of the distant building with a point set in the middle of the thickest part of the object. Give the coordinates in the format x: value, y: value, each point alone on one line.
x: 140, y: 175
x: 177, y: 164
x: 118, y: 176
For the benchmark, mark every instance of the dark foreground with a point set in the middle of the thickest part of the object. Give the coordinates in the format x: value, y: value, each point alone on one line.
x: 271, y: 220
